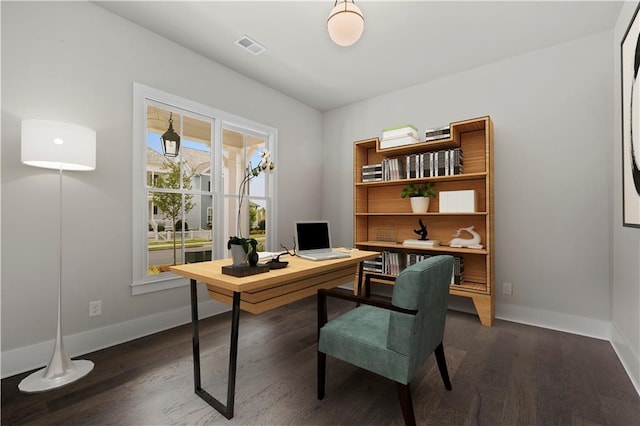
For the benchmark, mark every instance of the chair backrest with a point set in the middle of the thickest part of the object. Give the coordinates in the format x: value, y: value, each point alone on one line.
x: 424, y: 287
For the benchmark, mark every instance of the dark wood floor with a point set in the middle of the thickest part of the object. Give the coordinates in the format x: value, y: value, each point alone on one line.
x: 509, y: 374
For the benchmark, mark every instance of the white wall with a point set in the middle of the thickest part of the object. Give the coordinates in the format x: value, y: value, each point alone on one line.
x: 73, y: 61
x: 553, y: 122
x: 626, y: 241
x: 559, y: 238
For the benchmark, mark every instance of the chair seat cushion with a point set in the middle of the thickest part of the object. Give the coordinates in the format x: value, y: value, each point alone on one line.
x: 359, y: 337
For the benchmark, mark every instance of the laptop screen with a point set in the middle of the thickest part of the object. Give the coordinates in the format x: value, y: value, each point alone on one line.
x: 313, y: 236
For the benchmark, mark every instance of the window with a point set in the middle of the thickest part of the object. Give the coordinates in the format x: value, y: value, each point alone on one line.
x: 185, y: 207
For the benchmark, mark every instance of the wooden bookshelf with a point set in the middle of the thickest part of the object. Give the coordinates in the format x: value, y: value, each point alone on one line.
x: 379, y: 206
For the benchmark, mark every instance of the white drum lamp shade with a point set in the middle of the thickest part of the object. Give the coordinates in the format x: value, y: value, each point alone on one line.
x: 345, y: 23
x: 56, y: 145
x: 60, y: 146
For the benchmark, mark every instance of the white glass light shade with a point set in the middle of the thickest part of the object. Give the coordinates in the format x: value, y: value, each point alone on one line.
x: 345, y: 23
x: 55, y: 145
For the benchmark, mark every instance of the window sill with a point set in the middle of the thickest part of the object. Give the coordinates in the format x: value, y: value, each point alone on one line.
x: 158, y: 285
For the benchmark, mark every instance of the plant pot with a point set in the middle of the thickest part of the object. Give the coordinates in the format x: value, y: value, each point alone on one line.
x: 253, y: 258
x: 238, y: 255
x: 420, y: 204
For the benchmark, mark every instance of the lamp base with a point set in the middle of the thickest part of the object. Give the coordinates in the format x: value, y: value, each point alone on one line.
x: 36, y: 382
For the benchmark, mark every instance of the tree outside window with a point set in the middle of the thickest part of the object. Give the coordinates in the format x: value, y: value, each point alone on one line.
x: 171, y: 203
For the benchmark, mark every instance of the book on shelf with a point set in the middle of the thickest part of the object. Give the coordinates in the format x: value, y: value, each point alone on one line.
x: 440, y: 160
x: 390, y: 263
x: 421, y: 243
x: 373, y: 265
x: 442, y: 132
x: 441, y: 163
x: 394, y: 142
x: 453, y: 162
x: 437, y: 137
x: 372, y: 172
x: 403, y: 130
x: 446, y: 162
x: 393, y: 168
x: 457, y: 275
x: 413, y: 258
x: 413, y: 166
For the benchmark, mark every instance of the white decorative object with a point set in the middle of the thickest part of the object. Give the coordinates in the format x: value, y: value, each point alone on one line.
x: 419, y: 204
x: 465, y: 201
x: 59, y: 146
x: 466, y: 242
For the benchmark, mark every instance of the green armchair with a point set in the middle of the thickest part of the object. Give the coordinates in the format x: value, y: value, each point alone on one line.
x: 391, y: 339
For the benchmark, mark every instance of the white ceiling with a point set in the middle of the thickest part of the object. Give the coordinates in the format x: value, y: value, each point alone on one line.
x: 404, y: 43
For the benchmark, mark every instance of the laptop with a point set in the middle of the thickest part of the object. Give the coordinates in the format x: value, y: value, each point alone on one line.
x: 314, y: 241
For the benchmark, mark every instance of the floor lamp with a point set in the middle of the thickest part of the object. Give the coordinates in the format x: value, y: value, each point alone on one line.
x: 59, y: 146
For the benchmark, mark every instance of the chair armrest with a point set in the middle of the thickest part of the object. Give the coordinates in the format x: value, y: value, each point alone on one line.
x: 366, y: 286
x: 340, y: 293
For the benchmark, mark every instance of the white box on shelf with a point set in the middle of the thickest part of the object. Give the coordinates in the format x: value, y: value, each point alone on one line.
x: 398, y: 141
x: 465, y: 201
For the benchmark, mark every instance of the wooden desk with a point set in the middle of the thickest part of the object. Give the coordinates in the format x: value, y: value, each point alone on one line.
x: 260, y: 293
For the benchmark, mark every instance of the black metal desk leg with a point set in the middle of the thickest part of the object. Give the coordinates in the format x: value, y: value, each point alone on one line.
x: 195, y: 339
x: 360, y: 272
x: 227, y: 410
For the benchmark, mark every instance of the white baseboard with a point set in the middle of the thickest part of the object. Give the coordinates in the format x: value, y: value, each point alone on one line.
x: 552, y: 320
x: 628, y: 357
x: 34, y: 356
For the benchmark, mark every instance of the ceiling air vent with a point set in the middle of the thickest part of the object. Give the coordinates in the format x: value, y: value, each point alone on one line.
x: 251, y: 45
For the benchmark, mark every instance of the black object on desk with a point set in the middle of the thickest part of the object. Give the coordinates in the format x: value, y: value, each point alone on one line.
x: 276, y: 263
x: 245, y: 270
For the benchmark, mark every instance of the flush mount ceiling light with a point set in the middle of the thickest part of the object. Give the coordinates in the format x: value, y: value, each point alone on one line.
x: 345, y: 23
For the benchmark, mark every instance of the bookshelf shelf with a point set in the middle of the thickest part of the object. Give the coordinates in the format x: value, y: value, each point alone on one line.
x: 423, y: 214
x: 382, y: 219
x: 435, y: 179
x: 393, y: 246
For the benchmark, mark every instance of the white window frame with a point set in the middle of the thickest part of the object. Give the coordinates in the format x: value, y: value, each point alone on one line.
x: 141, y: 282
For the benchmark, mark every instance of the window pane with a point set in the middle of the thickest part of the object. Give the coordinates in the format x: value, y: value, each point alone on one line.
x: 255, y: 146
x: 258, y: 221
x: 164, y: 243
x: 195, y: 151
x: 233, y: 161
x: 198, y: 231
x: 168, y: 238
x: 157, y: 124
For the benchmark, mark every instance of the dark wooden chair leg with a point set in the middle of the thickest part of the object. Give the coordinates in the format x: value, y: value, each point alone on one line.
x: 322, y: 366
x: 404, y: 394
x: 442, y: 366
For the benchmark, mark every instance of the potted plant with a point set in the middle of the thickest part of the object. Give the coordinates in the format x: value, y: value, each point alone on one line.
x: 419, y: 194
x: 239, y: 247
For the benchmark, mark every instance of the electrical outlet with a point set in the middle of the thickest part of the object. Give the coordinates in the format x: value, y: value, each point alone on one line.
x: 95, y: 308
x: 507, y: 288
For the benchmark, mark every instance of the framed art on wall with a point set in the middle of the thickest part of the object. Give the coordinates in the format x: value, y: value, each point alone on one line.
x: 630, y: 62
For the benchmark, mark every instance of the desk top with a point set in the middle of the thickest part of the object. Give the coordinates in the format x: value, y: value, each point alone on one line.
x: 298, y: 269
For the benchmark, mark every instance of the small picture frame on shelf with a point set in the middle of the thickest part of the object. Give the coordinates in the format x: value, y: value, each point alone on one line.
x: 386, y: 233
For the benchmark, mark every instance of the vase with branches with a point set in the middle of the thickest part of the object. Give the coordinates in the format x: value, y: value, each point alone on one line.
x: 265, y: 165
